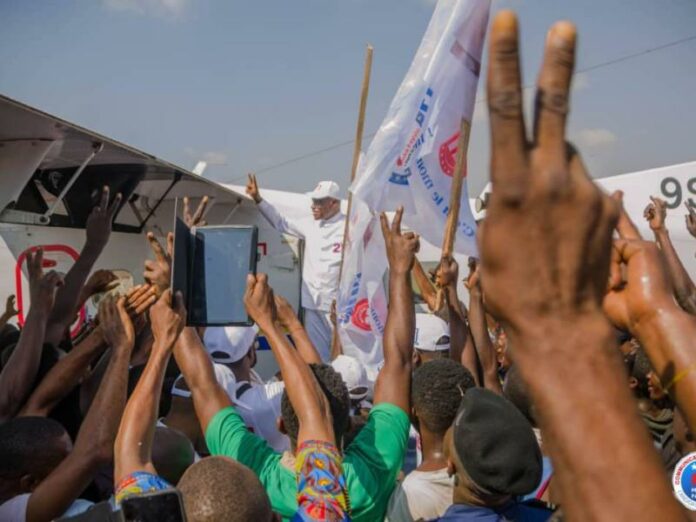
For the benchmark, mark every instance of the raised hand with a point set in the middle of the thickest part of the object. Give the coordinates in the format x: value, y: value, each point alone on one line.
x: 447, y: 272
x: 139, y: 299
x: 167, y: 319
x: 259, y: 301
x: 116, y: 324
x: 100, y: 281
x: 159, y: 271
x: 656, y: 213
x: 195, y: 220
x: 252, y: 189
x: 543, y: 206
x: 98, y: 226
x: 401, y: 248
x: 10, y: 307
x: 42, y: 287
x: 639, y: 285
x: 285, y: 314
x: 473, y: 280
x: 625, y: 227
x: 690, y: 218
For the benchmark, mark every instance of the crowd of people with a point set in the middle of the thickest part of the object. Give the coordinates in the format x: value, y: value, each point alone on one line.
x: 564, y: 390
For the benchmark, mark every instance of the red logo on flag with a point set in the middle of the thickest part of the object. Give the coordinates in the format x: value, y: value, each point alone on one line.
x: 448, y: 155
x: 359, y: 318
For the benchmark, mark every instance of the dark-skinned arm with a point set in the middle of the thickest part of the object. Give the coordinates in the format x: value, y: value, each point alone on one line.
x: 288, y: 319
x: 67, y: 373
x: 133, y: 448
x: 19, y: 373
x: 479, y: 331
x: 305, y: 394
x: 393, y: 383
x: 95, y: 441
x: 546, y: 209
x: 684, y: 288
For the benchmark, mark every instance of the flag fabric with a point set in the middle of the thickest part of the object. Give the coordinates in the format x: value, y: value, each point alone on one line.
x: 362, y: 300
x: 412, y: 157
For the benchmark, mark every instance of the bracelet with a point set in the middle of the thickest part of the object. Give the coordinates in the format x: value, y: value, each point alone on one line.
x: 678, y: 377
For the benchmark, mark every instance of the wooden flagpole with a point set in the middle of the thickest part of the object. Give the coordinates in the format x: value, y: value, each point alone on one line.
x: 358, y: 146
x: 455, y: 198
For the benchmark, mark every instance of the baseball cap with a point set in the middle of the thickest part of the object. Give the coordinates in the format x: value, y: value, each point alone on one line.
x: 496, y: 444
x: 354, y: 374
x: 325, y: 189
x: 223, y: 375
x: 229, y: 344
x: 432, y: 333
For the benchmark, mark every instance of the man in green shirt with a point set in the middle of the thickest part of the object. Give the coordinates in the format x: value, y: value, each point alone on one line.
x: 373, y: 460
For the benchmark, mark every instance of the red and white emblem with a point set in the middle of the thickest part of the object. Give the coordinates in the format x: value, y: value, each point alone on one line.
x: 359, y: 318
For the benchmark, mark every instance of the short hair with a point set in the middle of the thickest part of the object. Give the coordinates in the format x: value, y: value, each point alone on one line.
x: 639, y: 367
x: 31, y: 446
x: 517, y: 392
x: 437, y: 389
x: 219, y: 488
x: 172, y: 453
x: 336, y: 392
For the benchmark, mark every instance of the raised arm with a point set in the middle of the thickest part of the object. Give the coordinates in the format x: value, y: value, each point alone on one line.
x: 64, y: 376
x: 19, y: 373
x: 684, y: 288
x: 548, y: 295
x: 95, y: 441
x: 10, y: 311
x: 280, y: 223
x: 393, y: 383
x: 690, y: 218
x: 306, y: 396
x: 288, y: 319
x: 479, y: 330
x: 133, y: 448
x: 98, y: 230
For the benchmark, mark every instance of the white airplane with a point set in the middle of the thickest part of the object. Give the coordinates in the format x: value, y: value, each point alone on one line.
x: 52, y: 171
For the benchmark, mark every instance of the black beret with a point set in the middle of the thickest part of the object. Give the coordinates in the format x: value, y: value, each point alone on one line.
x: 496, y: 444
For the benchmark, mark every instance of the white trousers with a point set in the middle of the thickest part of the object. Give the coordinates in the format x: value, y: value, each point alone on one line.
x: 319, y: 329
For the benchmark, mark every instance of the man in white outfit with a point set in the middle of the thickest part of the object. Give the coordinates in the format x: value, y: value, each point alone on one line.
x: 323, y: 239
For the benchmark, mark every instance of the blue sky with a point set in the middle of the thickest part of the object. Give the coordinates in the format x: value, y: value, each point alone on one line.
x: 249, y: 85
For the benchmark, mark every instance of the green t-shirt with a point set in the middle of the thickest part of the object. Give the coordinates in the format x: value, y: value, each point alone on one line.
x: 370, y: 464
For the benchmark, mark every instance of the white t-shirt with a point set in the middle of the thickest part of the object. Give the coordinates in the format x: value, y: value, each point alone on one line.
x: 15, y: 509
x: 322, y: 257
x: 422, y: 494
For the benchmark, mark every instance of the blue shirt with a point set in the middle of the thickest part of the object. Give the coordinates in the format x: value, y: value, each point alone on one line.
x: 511, y: 511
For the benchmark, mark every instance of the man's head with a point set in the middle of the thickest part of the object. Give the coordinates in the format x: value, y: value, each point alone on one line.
x: 354, y: 374
x: 437, y: 389
x: 30, y: 449
x: 431, y: 340
x: 218, y: 488
x: 233, y: 346
x: 515, y: 390
x: 172, y: 454
x: 639, y: 368
x: 491, y: 450
x: 336, y: 393
x: 326, y: 201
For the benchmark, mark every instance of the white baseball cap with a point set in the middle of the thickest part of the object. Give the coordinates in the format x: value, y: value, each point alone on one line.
x: 432, y: 334
x: 229, y: 344
x: 223, y: 375
x: 326, y: 189
x: 354, y: 374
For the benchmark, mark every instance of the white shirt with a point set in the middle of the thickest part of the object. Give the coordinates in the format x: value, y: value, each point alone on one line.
x: 322, y: 258
x: 421, y: 495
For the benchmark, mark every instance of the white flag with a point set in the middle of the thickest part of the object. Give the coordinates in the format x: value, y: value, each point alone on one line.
x: 362, y: 301
x: 411, y: 159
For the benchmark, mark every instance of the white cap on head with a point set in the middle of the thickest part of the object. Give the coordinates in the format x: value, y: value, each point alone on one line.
x: 223, y: 375
x: 432, y: 333
x: 229, y: 344
x: 326, y: 189
x: 354, y: 374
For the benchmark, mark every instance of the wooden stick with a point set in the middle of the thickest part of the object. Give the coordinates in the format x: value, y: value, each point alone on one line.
x: 455, y: 199
x: 358, y: 146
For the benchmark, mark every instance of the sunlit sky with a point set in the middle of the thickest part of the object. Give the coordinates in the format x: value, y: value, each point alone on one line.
x: 250, y: 85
